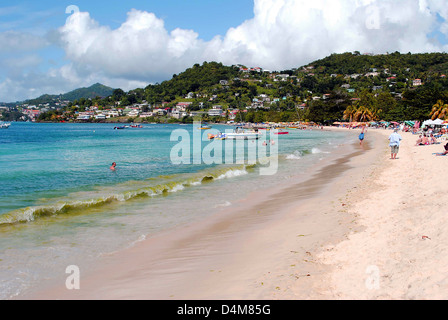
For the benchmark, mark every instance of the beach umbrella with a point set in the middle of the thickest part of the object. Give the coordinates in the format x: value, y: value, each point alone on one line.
x: 432, y: 122
x: 426, y: 123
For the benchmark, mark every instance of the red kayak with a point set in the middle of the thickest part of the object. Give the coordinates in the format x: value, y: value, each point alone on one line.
x: 282, y: 132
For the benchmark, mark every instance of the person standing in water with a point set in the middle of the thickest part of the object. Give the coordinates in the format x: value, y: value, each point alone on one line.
x: 112, y: 167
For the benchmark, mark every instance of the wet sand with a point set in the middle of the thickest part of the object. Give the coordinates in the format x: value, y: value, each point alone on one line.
x: 258, y: 249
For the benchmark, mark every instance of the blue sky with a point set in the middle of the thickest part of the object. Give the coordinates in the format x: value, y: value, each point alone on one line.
x: 130, y: 44
x: 207, y: 17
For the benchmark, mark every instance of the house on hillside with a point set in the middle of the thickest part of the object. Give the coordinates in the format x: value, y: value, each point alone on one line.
x: 215, y: 111
x: 160, y: 112
x: 282, y: 77
x: 417, y: 82
x: 146, y: 114
x: 85, y: 115
x: 182, y: 106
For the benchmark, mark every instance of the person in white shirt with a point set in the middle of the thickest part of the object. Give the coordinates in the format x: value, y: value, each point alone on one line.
x: 394, y: 144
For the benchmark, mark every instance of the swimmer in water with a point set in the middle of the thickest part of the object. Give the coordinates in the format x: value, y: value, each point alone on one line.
x: 113, y: 166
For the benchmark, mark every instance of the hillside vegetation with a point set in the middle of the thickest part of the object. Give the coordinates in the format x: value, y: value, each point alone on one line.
x: 347, y: 86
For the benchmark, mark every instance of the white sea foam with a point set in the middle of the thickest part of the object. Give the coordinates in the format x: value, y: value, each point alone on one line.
x: 177, y: 187
x: 225, y: 204
x: 297, y: 155
x: 232, y: 174
x: 317, y: 150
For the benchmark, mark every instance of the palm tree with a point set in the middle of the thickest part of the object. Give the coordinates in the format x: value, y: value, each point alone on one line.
x: 363, y: 114
x: 350, y: 112
x: 375, y: 114
x: 439, y: 111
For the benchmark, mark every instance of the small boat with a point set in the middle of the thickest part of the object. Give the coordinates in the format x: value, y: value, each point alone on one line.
x: 212, y: 136
x: 136, y: 126
x: 282, y: 132
x: 240, y: 134
x: 205, y: 127
x: 4, y: 125
x: 119, y: 128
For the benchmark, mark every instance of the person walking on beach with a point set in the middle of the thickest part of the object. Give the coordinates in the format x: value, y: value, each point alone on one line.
x: 361, y: 136
x: 394, y: 144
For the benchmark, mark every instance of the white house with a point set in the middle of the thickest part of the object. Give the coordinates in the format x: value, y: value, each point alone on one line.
x: 146, y: 114
x: 182, y: 106
x: 215, y: 111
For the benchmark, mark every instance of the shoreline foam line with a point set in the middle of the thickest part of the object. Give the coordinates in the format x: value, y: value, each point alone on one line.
x: 104, y: 197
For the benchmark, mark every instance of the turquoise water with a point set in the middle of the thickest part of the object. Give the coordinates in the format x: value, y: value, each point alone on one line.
x: 60, y: 204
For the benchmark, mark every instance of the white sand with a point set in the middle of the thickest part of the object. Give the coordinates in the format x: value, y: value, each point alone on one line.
x: 402, y: 251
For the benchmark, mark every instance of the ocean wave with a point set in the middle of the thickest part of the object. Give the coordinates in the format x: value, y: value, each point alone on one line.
x: 232, y: 174
x: 222, y: 205
x: 317, y: 150
x: 297, y: 155
x: 98, y: 199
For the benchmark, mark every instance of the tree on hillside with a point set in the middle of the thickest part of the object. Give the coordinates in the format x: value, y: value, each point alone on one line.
x: 118, y: 94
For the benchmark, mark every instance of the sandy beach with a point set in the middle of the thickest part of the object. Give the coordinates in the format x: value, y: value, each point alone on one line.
x: 362, y: 227
x: 399, y: 251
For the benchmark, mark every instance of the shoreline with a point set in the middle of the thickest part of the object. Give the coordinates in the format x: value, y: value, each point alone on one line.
x: 255, y: 251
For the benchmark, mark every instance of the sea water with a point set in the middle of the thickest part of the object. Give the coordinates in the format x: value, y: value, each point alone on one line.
x: 61, y: 205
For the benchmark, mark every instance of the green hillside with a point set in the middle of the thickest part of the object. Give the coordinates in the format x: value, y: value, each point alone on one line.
x: 195, y: 79
x: 389, y: 87
x: 96, y: 90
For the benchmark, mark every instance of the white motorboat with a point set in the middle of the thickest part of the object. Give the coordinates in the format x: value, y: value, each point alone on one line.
x: 4, y: 125
x: 240, y: 134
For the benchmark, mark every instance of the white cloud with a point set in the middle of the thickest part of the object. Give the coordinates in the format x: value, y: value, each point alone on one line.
x: 282, y: 34
x: 29, y: 85
x: 291, y: 33
x: 139, y: 48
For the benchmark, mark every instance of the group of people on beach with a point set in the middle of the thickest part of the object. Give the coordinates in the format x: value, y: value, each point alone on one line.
x: 429, y: 138
x: 425, y: 139
x: 395, y: 140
